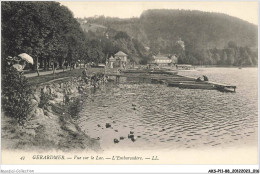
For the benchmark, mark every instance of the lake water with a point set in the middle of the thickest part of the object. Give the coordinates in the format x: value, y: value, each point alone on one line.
x: 164, y: 117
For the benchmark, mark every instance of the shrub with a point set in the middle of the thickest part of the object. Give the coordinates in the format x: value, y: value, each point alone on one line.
x: 75, y: 108
x: 44, y: 99
x: 16, y: 95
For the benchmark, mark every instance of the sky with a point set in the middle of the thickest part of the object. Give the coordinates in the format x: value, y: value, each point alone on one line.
x: 247, y: 11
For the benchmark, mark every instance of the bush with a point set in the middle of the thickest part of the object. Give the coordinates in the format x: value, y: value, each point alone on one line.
x: 44, y: 99
x: 16, y: 95
x: 75, y: 108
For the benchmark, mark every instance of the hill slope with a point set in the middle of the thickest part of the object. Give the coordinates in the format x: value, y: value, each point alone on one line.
x: 207, y: 30
x: 161, y: 29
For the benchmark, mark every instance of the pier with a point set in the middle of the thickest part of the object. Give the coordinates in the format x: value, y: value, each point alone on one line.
x: 171, y: 79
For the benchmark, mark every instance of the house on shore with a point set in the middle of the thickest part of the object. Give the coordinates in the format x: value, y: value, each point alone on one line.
x: 164, y: 60
x: 174, y: 59
x: 120, y: 60
x: 111, y: 62
x: 184, y: 66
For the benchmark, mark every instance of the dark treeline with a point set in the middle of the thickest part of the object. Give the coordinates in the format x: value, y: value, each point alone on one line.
x: 48, y: 32
x: 231, y: 55
x: 203, y: 30
x: 111, y: 41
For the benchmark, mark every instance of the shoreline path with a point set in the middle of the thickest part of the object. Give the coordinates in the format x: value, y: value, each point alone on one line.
x: 34, y: 74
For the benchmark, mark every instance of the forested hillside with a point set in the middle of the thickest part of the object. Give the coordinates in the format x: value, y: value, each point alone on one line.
x: 48, y: 32
x: 207, y: 36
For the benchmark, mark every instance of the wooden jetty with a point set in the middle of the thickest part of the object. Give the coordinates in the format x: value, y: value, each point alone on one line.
x: 171, y: 79
x: 152, y: 71
x: 191, y: 83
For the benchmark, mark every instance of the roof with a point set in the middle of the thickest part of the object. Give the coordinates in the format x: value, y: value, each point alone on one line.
x: 187, y: 65
x: 120, y: 53
x: 174, y: 57
x: 101, y: 64
x: 112, y: 59
x: 161, y: 57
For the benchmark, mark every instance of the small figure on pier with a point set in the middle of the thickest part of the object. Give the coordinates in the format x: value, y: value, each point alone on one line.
x: 205, y: 78
x: 84, y: 72
x: 118, y: 71
x: 198, y: 79
x: 66, y: 64
x: 84, y: 75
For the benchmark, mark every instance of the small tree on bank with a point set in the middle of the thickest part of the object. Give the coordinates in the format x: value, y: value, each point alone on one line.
x: 16, y: 95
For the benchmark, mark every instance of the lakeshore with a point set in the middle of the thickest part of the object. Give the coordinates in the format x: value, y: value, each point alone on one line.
x: 52, y: 126
x: 97, y: 116
x: 167, y: 83
x: 172, y: 124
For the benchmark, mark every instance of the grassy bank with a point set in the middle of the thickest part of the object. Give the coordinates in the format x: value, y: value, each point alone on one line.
x: 53, y: 130
x: 50, y: 126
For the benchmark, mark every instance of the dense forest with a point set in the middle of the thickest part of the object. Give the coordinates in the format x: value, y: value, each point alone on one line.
x: 207, y: 36
x: 48, y: 32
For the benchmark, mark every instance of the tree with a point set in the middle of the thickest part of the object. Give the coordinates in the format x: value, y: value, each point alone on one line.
x: 224, y: 58
x: 95, y: 52
x: 216, y: 58
x: 155, y: 47
x: 45, y: 30
x: 231, y: 56
x: 16, y: 95
x: 122, y: 35
x: 232, y: 44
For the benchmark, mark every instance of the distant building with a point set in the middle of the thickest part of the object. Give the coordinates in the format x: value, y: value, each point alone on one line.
x: 161, y: 60
x: 101, y: 65
x: 85, y: 21
x: 181, y: 43
x: 164, y: 60
x: 184, y: 66
x: 147, y: 48
x: 111, y: 62
x: 121, y: 56
x: 120, y: 60
x: 174, y: 59
x: 107, y: 36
